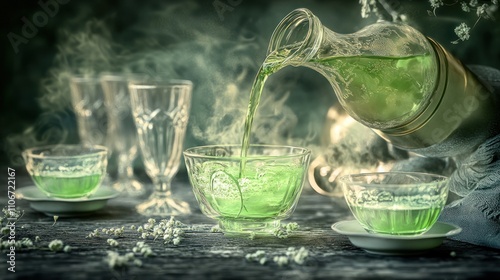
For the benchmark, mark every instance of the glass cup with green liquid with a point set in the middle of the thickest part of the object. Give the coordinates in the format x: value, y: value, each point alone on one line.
x: 397, y: 203
x: 250, y: 194
x: 67, y: 171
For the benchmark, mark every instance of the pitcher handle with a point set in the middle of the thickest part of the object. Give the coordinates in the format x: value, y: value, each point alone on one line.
x: 319, y: 162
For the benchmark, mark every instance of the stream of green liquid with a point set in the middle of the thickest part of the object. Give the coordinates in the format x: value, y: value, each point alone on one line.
x: 381, y: 91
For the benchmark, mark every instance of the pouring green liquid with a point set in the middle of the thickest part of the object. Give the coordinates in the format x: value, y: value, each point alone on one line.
x: 378, y: 90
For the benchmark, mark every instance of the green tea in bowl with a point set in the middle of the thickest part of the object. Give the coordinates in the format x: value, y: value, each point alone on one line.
x: 250, y: 194
x: 67, y: 171
x: 397, y: 203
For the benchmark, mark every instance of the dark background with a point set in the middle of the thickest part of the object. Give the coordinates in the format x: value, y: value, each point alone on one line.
x: 221, y: 51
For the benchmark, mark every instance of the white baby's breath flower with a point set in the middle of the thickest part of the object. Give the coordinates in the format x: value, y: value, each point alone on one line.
x: 26, y: 242
x: 115, y: 260
x: 112, y: 242
x: 300, y: 256
x: 292, y: 255
x: 436, y: 3
x: 465, y: 7
x: 486, y: 11
x: 463, y: 31
x: 215, y: 228
x: 176, y: 241
x: 56, y: 245
x: 5, y: 230
x: 67, y: 249
x: 280, y: 260
x: 143, y: 249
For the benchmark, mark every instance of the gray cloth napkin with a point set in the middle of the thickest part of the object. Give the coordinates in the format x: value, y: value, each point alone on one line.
x: 476, y: 181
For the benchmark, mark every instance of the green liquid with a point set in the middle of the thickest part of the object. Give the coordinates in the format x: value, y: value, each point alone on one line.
x: 378, y: 91
x: 382, y: 91
x: 68, y: 186
x: 398, y: 220
x: 265, y: 192
x: 270, y: 65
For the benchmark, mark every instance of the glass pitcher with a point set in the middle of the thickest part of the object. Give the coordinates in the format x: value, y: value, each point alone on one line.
x: 391, y: 78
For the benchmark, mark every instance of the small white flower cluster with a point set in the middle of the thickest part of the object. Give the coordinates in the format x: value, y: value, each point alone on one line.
x: 117, y: 232
x: 57, y: 245
x: 291, y: 255
x: 483, y: 10
x: 369, y: 7
x: 9, y: 213
x: 216, y: 228
x: 436, y: 3
x: 259, y: 256
x: 298, y: 256
x: 143, y: 249
x: 19, y: 244
x: 112, y: 242
x: 5, y: 231
x: 170, y: 230
x: 115, y: 260
x: 284, y: 230
x: 463, y: 32
x: 465, y: 7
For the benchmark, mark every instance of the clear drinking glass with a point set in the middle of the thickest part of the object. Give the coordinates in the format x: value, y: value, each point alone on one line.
x: 67, y: 171
x: 122, y: 131
x: 253, y: 199
x: 161, y: 112
x: 88, y: 103
x: 87, y: 98
x: 397, y: 203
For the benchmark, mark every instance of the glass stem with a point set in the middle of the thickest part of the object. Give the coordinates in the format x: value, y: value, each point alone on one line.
x: 162, y: 187
x: 124, y: 169
x: 130, y: 171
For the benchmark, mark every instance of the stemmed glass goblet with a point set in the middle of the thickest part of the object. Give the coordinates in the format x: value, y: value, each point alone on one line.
x: 161, y: 112
x: 122, y: 130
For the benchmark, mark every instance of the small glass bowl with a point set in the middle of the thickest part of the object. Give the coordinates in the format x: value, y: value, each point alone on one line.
x: 67, y: 171
x: 396, y: 203
x: 251, y: 194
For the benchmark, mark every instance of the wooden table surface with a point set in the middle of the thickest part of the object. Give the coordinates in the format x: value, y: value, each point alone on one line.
x: 203, y: 254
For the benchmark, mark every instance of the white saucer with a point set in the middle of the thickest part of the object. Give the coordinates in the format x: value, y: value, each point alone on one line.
x: 386, y: 244
x: 62, y: 207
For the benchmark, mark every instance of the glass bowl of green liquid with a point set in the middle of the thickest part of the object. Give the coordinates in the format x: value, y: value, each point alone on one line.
x: 67, y: 171
x: 249, y: 192
x: 396, y: 203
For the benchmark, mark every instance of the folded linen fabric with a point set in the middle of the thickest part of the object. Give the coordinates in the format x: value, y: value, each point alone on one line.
x: 475, y: 180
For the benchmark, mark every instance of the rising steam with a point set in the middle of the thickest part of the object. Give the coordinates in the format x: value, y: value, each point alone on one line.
x: 173, y: 42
